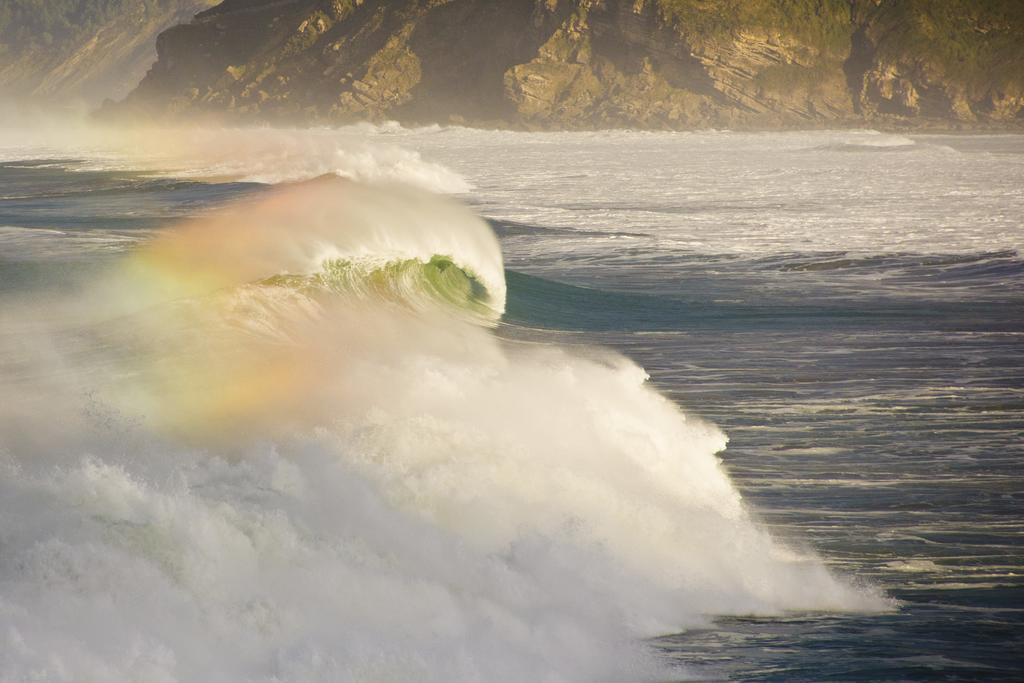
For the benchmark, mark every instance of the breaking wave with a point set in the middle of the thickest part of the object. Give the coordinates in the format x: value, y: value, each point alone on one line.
x: 417, y: 284
x: 271, y: 446
x: 260, y: 155
x: 872, y: 143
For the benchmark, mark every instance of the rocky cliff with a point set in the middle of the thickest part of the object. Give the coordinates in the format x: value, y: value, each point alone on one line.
x: 596, y: 63
x: 87, y: 50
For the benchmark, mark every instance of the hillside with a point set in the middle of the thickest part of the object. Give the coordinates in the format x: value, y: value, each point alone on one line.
x: 596, y: 63
x: 87, y: 50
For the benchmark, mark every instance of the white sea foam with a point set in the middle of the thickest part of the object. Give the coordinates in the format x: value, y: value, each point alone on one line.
x: 714, y: 192
x: 266, y: 155
x: 237, y: 481
x: 876, y: 139
x: 276, y: 155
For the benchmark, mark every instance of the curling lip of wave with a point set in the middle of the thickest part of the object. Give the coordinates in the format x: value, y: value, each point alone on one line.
x: 340, y: 242
x: 415, y: 283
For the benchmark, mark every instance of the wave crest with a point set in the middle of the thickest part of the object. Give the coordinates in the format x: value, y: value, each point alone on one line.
x: 332, y: 234
x: 261, y: 155
x: 414, y: 283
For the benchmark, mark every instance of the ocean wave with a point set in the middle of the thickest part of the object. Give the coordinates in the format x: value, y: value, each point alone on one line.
x: 321, y: 232
x: 871, y: 143
x: 234, y: 459
x: 263, y: 155
x: 274, y: 156
x: 420, y: 285
x: 826, y: 261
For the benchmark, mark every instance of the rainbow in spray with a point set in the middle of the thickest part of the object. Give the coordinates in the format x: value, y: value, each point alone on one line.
x: 329, y: 466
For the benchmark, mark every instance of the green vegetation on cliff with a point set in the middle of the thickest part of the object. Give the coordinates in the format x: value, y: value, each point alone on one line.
x: 980, y: 44
x: 82, y: 49
x: 30, y: 24
x: 537, y: 63
x: 822, y: 24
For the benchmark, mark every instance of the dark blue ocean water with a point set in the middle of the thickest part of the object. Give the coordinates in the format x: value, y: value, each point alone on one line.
x: 874, y: 403
x: 885, y: 433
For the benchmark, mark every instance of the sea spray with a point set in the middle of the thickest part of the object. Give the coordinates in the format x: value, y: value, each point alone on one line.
x: 258, y: 155
x: 216, y: 470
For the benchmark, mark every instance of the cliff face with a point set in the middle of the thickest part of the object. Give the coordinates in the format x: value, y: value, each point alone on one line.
x: 956, y: 60
x: 62, y: 50
x: 596, y: 63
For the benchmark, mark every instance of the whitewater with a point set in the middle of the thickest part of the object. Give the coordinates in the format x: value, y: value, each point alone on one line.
x: 378, y: 404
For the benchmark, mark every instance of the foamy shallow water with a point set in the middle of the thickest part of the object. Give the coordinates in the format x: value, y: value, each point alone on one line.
x: 723, y: 192
x: 844, y: 305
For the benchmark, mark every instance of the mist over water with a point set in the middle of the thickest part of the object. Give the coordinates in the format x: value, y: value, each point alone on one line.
x: 262, y: 425
x: 270, y: 155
